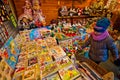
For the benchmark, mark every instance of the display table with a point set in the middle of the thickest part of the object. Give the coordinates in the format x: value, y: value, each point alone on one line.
x: 44, y: 59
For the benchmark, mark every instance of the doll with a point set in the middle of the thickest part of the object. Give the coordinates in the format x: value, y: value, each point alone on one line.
x: 23, y: 22
x: 72, y: 11
x: 28, y: 9
x: 64, y: 11
x: 53, y: 24
x: 39, y: 19
x: 79, y: 11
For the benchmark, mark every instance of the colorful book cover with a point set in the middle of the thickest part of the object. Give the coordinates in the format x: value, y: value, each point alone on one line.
x: 44, y: 59
x: 68, y: 73
x: 66, y: 43
x: 57, y: 52
x: 45, y: 32
x: 30, y: 73
x: 52, y: 77
x: 6, y: 71
x: 51, y: 41
x: 11, y: 52
x: 18, y: 76
x: 41, y: 44
x: 64, y: 62
x: 49, y: 69
x: 32, y: 61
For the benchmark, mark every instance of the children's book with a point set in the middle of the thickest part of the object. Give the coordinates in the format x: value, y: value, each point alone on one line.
x: 30, y: 73
x: 11, y: 52
x: 57, y: 52
x: 68, y: 73
x: 54, y: 76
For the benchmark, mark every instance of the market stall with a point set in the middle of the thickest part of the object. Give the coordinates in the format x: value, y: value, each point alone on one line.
x: 41, y: 52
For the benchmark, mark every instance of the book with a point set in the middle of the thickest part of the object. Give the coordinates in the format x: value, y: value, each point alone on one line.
x: 68, y: 73
x: 54, y: 76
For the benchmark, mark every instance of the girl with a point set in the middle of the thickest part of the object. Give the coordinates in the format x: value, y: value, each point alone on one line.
x: 100, y: 42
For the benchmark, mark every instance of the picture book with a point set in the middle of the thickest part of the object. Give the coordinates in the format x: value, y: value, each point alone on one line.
x: 68, y: 73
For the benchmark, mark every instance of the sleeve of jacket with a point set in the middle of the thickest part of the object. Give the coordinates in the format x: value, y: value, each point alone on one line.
x: 112, y: 47
x: 87, y: 42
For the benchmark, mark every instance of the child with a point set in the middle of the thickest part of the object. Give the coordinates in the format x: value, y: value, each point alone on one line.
x: 100, y: 42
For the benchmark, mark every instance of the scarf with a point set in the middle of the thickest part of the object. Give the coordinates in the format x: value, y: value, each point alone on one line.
x: 101, y: 36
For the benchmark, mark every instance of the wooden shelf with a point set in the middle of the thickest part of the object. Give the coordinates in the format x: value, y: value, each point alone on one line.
x: 75, y: 17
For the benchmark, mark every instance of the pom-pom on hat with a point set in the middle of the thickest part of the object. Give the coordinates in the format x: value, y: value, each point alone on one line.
x: 102, y: 25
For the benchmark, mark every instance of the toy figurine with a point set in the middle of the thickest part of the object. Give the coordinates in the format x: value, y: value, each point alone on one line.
x: 64, y: 11
x: 72, y: 11
x: 26, y: 19
x: 53, y: 24
x: 79, y: 11
x: 39, y: 19
x: 23, y: 22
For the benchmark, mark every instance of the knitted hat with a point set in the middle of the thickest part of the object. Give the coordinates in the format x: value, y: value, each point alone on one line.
x: 102, y: 25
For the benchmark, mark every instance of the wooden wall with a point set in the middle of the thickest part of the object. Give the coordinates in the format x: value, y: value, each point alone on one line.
x: 50, y: 7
